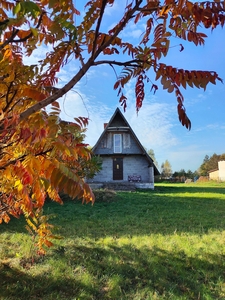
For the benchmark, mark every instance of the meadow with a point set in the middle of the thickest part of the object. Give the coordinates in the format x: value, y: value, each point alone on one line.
x: 163, y: 244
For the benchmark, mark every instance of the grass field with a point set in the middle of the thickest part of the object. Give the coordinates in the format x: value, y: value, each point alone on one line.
x: 163, y: 244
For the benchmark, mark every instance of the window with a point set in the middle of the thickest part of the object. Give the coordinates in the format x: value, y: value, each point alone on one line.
x: 104, y: 143
x: 126, y: 140
x: 107, y: 141
x: 117, y: 143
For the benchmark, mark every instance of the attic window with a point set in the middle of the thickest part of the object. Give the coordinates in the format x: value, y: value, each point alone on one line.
x: 107, y: 141
x: 104, y: 143
x: 117, y: 143
x: 126, y: 140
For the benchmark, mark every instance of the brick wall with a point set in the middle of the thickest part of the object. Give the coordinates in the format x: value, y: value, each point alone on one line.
x: 132, y: 165
x: 136, y: 165
x: 106, y: 173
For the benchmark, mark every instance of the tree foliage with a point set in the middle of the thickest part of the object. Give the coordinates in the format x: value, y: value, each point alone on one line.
x: 210, y: 163
x: 41, y: 155
x: 182, y: 175
x: 166, y: 169
x: 151, y: 153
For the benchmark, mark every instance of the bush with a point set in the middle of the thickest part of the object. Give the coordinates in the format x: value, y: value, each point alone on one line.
x: 104, y: 195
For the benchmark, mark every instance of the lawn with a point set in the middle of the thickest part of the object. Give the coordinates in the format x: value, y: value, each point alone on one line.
x: 163, y: 244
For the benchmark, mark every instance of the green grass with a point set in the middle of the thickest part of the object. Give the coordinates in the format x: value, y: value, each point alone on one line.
x: 163, y: 244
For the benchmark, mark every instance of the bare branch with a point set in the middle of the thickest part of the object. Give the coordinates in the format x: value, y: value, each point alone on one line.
x: 104, y: 2
x: 134, y: 62
x: 128, y: 16
x: 61, y: 92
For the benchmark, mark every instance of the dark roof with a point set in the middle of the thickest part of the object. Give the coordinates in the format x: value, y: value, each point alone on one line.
x: 118, y: 112
x: 213, y: 170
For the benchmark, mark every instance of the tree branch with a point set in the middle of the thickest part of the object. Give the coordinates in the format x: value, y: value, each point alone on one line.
x: 134, y: 62
x: 15, y: 32
x: 21, y: 158
x: 122, y: 24
x: 4, y: 22
x: 10, y: 40
x: 61, y: 92
x: 104, y: 2
x: 9, y: 101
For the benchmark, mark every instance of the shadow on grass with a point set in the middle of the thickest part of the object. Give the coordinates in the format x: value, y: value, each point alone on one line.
x: 190, y: 188
x: 95, y: 271
x: 18, y: 285
x: 136, y: 213
x: 142, y: 214
x: 120, y: 273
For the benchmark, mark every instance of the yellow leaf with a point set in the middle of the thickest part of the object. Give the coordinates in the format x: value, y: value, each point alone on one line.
x: 1, y: 115
x: 6, y: 218
x: 7, y: 173
x: 18, y: 185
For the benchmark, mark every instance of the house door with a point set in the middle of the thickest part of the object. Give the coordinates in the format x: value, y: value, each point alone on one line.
x: 117, y: 168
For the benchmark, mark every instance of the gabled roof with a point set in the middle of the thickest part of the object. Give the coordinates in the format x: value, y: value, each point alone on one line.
x: 214, y: 170
x: 119, y: 113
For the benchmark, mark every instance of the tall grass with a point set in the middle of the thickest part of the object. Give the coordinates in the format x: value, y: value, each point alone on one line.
x: 163, y: 244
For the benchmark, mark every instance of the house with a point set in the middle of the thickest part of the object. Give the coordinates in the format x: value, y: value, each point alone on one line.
x: 124, y: 159
x: 218, y: 174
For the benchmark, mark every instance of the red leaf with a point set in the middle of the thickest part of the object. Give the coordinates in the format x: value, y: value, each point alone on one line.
x: 139, y: 91
x: 55, y: 104
x: 116, y: 85
x: 27, y: 179
x: 25, y: 134
x: 122, y: 98
x: 183, y: 118
x: 154, y: 88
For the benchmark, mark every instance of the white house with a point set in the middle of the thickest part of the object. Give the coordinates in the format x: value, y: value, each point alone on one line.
x: 218, y: 174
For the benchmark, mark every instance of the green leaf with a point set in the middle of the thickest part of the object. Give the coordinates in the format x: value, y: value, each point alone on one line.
x: 17, y: 9
x: 31, y: 8
x: 34, y: 31
x: 52, y: 3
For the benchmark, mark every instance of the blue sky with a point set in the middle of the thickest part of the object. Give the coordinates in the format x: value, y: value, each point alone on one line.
x: 157, y: 125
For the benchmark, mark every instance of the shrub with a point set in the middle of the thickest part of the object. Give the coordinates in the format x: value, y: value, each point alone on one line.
x: 104, y: 195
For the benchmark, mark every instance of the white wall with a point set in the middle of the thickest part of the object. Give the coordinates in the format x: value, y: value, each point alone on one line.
x: 221, y: 165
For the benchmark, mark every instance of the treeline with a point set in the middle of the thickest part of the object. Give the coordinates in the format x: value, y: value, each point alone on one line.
x: 182, y: 175
x: 210, y: 163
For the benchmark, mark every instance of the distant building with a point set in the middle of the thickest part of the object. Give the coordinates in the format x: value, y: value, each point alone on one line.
x: 124, y: 159
x: 218, y: 174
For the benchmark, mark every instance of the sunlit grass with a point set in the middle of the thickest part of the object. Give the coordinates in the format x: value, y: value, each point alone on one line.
x: 163, y: 244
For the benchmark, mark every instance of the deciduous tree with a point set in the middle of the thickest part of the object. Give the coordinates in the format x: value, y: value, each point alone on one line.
x: 166, y: 169
x: 151, y: 153
x: 42, y: 155
x: 210, y: 163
